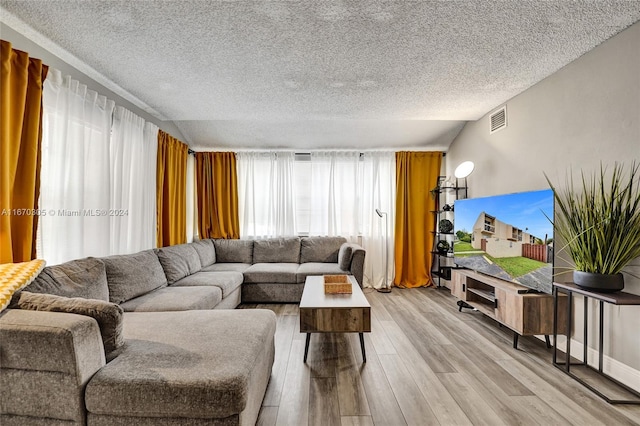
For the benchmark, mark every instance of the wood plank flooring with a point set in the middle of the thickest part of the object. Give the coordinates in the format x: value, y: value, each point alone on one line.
x: 427, y: 364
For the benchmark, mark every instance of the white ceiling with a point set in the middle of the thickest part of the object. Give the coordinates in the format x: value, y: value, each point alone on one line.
x: 318, y: 74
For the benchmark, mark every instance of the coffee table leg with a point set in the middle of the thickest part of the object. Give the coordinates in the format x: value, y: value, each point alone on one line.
x: 364, y: 355
x: 306, y: 347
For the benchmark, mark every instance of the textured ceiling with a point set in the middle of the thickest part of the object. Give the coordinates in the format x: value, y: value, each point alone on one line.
x: 319, y: 74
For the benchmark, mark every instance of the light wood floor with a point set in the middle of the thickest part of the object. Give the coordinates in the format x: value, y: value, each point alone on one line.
x: 427, y: 364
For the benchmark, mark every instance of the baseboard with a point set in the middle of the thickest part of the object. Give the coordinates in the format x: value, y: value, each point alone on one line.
x: 614, y: 368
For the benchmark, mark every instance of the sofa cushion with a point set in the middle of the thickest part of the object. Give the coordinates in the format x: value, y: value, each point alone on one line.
x: 227, y: 281
x: 175, y: 299
x: 233, y: 251
x: 272, y: 293
x: 224, y: 267
x: 78, y: 278
x: 189, y: 365
x: 320, y: 249
x: 277, y: 250
x: 108, y: 315
x: 206, y: 252
x: 271, y: 273
x: 132, y: 275
x: 344, y: 256
x: 178, y: 261
x: 317, y: 268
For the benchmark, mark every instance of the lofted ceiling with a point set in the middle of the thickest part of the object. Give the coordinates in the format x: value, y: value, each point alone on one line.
x: 318, y: 74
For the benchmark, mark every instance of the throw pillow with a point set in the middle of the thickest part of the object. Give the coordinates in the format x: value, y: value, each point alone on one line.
x: 16, y: 276
x: 108, y: 315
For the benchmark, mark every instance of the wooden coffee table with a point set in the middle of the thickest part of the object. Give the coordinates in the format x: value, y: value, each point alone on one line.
x: 333, y: 313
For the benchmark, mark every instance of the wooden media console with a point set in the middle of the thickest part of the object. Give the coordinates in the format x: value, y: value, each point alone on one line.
x: 515, y: 306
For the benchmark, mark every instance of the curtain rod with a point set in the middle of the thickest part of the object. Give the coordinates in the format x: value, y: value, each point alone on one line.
x: 192, y: 152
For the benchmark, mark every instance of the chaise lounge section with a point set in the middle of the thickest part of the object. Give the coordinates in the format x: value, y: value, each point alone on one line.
x: 207, y: 367
x: 201, y: 367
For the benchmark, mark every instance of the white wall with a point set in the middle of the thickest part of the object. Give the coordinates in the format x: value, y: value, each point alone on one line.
x: 586, y: 113
x: 18, y: 41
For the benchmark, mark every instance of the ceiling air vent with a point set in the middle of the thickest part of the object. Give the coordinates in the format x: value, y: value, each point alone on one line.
x: 499, y: 120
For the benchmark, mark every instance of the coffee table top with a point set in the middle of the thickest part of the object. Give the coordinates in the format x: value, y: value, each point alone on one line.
x: 313, y: 295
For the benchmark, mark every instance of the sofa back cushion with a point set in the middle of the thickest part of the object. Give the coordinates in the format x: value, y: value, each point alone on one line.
x: 206, y: 252
x: 108, y: 315
x: 179, y: 261
x: 320, y: 249
x: 132, y: 275
x: 78, y: 278
x: 277, y: 250
x: 233, y: 251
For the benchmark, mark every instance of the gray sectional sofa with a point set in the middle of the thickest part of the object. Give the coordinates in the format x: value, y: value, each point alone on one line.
x: 274, y: 270
x: 149, y: 339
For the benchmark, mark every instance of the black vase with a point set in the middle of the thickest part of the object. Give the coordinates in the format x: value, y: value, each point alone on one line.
x: 601, y: 283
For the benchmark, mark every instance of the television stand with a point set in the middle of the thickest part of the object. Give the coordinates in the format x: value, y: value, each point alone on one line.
x: 512, y: 305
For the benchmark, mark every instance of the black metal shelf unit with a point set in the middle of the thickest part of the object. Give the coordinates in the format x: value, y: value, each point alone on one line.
x: 444, y: 236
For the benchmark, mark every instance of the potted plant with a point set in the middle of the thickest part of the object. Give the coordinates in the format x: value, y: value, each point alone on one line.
x: 598, y: 219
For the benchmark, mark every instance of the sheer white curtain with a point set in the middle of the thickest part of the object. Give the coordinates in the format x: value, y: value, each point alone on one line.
x: 151, y: 167
x: 133, y: 156
x: 336, y: 197
x: 98, y: 179
x: 75, y: 187
x: 266, y: 194
x: 347, y: 188
x: 378, y: 192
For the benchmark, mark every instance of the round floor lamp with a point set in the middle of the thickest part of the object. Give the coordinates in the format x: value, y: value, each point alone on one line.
x: 386, y: 288
x: 463, y: 170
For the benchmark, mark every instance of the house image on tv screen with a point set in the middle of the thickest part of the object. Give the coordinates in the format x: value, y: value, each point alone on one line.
x: 499, y: 239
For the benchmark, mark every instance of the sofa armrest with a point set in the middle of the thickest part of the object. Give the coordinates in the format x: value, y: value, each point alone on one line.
x: 357, y: 263
x: 46, y: 359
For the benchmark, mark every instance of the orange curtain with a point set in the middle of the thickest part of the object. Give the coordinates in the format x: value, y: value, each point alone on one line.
x: 21, y: 131
x: 171, y: 189
x: 416, y: 174
x: 217, y: 195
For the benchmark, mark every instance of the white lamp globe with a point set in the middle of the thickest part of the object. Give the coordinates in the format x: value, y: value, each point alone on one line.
x: 464, y: 169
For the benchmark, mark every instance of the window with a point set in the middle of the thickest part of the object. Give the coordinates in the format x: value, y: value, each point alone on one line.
x: 325, y: 193
x: 489, y: 224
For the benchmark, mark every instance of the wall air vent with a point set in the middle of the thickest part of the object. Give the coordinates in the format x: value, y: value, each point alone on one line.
x: 498, y: 120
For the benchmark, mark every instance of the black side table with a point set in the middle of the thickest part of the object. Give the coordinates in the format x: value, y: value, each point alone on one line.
x: 619, y: 298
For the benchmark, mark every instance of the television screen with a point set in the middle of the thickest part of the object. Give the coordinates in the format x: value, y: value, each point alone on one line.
x: 507, y: 236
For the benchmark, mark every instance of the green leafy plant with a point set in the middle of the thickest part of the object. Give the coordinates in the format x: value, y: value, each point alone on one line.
x: 599, y: 219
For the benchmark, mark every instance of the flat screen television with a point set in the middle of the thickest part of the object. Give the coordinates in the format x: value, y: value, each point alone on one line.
x: 507, y: 236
